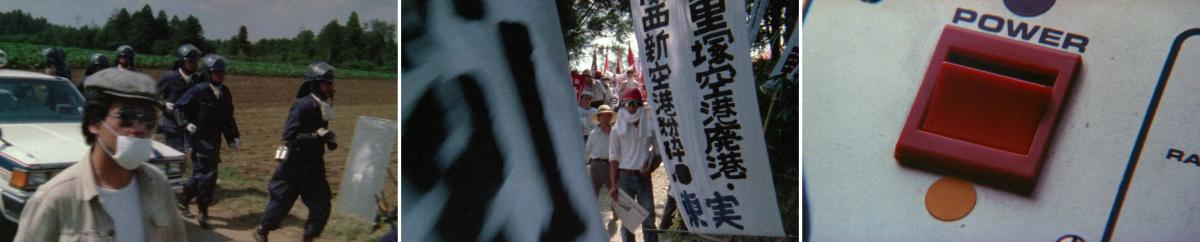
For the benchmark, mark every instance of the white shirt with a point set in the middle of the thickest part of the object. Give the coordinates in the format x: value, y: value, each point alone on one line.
x: 632, y: 149
x: 597, y: 145
x: 125, y: 207
x: 187, y: 79
x: 216, y: 89
x: 585, y: 120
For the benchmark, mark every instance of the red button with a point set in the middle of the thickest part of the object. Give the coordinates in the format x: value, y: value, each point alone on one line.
x: 986, y: 109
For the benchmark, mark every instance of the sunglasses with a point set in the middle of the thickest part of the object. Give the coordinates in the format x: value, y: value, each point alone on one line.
x: 129, y: 118
x: 633, y: 104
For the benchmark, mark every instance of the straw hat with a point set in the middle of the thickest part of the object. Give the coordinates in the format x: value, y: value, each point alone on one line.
x: 604, y: 109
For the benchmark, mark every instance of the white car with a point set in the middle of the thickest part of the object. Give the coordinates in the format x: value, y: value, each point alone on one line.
x: 41, y: 134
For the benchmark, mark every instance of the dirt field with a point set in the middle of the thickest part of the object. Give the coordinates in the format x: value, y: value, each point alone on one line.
x: 261, y: 106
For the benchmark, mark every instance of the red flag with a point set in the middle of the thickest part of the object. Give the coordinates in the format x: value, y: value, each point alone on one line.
x: 618, y: 63
x: 606, y: 62
x: 637, y: 70
x: 630, y: 57
x: 577, y: 81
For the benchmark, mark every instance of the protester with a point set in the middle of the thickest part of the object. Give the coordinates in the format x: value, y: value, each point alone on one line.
x: 585, y: 112
x: 596, y: 150
x: 630, y: 145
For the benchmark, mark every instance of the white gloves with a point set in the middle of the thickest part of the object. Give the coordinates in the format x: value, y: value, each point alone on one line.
x: 170, y: 107
x: 233, y: 145
x: 191, y: 128
x: 329, y: 138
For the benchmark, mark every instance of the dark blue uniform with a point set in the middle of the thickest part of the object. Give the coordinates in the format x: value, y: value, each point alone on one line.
x: 303, y: 172
x: 172, y: 86
x: 213, y: 117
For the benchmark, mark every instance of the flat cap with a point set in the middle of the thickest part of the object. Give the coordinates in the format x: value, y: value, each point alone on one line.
x: 125, y: 83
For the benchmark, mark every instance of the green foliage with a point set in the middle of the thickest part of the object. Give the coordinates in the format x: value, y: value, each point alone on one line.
x: 239, y: 45
x: 581, y: 21
x: 330, y: 42
x: 370, y: 47
x: 17, y: 22
x: 28, y: 56
x: 780, y: 111
x: 779, y: 20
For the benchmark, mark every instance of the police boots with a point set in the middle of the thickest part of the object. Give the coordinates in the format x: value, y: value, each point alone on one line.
x: 203, y: 220
x: 184, y: 210
x: 260, y: 234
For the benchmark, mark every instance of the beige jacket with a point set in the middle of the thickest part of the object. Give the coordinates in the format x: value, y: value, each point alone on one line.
x: 67, y: 208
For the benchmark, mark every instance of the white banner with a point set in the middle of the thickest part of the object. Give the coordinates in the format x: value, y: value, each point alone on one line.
x: 491, y: 147
x: 701, y: 87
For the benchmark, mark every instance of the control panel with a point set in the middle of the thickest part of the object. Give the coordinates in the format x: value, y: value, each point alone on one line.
x: 1015, y: 120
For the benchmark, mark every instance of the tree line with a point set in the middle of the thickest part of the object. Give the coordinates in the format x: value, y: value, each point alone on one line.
x: 581, y: 21
x: 353, y: 45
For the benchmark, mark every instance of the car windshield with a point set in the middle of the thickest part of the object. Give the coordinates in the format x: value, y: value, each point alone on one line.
x: 33, y: 100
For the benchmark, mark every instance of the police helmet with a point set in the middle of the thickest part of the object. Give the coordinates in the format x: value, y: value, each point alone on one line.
x: 319, y: 71
x: 125, y: 51
x: 187, y: 52
x: 55, y: 57
x: 96, y: 63
x: 99, y: 60
x: 212, y: 62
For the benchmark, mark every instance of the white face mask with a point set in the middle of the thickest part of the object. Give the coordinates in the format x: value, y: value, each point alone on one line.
x: 626, y: 119
x: 131, y: 151
x: 326, y: 108
x: 326, y: 111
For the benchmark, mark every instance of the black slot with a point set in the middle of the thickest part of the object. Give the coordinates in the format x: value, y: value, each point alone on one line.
x: 996, y: 67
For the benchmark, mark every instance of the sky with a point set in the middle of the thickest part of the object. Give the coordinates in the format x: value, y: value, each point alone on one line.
x: 220, y: 18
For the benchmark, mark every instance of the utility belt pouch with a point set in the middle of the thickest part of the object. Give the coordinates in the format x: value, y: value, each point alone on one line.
x: 281, y: 153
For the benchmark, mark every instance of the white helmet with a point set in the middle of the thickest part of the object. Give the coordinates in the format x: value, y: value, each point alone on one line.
x: 3, y: 58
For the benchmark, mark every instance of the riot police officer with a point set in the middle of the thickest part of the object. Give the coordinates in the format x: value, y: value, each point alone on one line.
x: 307, y: 135
x: 125, y: 57
x: 172, y: 85
x: 56, y: 62
x: 208, y: 109
x: 96, y: 63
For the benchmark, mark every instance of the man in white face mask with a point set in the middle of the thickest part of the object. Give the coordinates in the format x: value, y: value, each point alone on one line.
x: 109, y: 195
x: 629, y: 149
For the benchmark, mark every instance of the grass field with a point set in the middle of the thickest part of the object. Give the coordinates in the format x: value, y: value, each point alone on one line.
x: 29, y: 56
